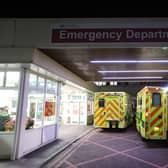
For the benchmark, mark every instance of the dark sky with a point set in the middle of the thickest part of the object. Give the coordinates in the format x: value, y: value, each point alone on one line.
x: 65, y: 11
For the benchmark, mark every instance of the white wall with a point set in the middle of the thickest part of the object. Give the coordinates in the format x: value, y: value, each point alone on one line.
x: 49, y: 133
x: 7, y: 28
x: 36, y: 33
x: 31, y: 140
x: 6, y: 145
x: 16, y: 55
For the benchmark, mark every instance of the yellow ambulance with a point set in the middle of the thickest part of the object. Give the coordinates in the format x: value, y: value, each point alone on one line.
x: 112, y: 110
x: 151, y: 113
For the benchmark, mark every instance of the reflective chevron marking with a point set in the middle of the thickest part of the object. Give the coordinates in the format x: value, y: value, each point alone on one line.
x: 110, y: 110
x: 157, y: 125
x: 99, y: 112
x: 113, y: 109
x: 102, y: 122
x: 116, y: 102
x: 99, y: 118
x: 156, y: 121
x: 147, y: 105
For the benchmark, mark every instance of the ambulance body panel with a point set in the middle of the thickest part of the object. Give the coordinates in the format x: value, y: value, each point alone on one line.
x: 151, y: 113
x: 112, y: 110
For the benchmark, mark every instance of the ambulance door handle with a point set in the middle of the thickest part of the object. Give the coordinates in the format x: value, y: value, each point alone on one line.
x: 160, y: 116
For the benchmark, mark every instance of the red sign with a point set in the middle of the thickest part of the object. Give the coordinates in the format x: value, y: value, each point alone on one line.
x: 49, y: 109
x: 109, y: 35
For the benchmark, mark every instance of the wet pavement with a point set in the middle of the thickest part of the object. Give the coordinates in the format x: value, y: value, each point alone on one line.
x: 119, y: 149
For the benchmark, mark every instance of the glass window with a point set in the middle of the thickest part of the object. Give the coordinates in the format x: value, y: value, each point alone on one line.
x: 156, y: 99
x: 54, y: 86
x: 140, y: 101
x: 51, y: 86
x: 41, y: 111
x: 34, y: 110
x: 1, y: 78
x: 41, y: 83
x: 33, y: 80
x: 101, y: 102
x: 35, y: 102
x: 12, y: 79
x: 8, y: 109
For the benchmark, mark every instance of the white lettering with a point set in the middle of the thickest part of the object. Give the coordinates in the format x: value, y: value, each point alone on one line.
x: 85, y: 34
x: 80, y: 35
x: 119, y: 34
x: 92, y: 36
x: 129, y: 34
x: 71, y: 35
x: 98, y: 35
x: 144, y: 35
x: 63, y: 34
x: 113, y: 35
x: 105, y: 35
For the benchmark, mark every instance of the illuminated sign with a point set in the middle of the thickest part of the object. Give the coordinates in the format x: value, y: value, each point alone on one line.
x: 70, y: 35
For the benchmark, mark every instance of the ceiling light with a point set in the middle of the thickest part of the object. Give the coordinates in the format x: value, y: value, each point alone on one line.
x: 111, y: 83
x: 164, y: 48
x: 141, y: 77
x: 129, y: 61
x: 103, y: 83
x: 115, y: 83
x: 96, y: 83
x: 133, y: 71
x: 100, y: 83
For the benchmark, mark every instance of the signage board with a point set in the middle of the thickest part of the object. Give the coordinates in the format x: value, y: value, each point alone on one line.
x: 108, y: 35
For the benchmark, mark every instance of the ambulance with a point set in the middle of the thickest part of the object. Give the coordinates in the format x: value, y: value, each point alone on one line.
x: 112, y: 110
x: 151, y: 113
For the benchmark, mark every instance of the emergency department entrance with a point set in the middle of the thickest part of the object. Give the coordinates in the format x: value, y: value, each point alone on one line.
x: 81, y: 51
x: 75, y: 105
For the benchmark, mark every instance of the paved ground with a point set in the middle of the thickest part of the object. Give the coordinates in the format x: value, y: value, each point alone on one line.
x: 36, y: 159
x: 118, y: 149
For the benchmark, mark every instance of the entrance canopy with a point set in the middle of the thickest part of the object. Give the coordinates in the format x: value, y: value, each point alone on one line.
x: 96, y: 49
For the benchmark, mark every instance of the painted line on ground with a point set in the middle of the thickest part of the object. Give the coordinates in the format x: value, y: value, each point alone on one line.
x: 51, y: 157
x: 144, y: 161
x: 69, y: 153
x: 96, y: 159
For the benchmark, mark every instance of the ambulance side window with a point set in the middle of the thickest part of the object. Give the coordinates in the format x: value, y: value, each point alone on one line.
x: 140, y: 101
x: 101, y: 102
x: 156, y: 99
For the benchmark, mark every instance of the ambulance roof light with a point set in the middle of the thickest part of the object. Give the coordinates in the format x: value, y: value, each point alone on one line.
x: 146, y: 89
